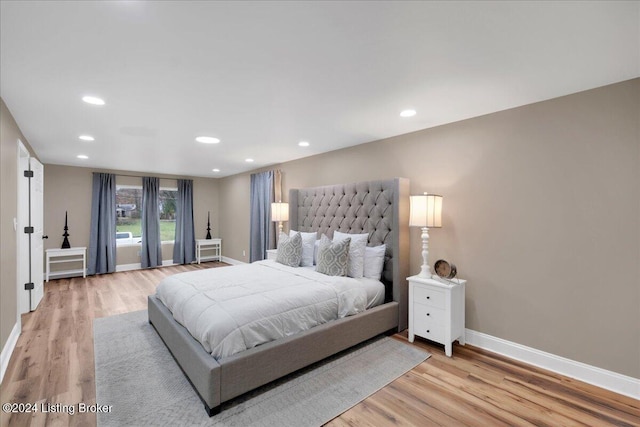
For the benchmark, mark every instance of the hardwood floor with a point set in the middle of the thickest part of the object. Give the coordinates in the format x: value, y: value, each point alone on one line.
x: 53, y: 363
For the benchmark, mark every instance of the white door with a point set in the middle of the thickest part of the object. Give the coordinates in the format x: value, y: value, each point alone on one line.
x: 24, y: 305
x: 37, y: 222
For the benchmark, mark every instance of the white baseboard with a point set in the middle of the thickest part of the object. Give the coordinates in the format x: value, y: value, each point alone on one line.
x: 7, y: 350
x: 609, y: 380
x: 232, y: 261
x: 128, y: 267
x: 138, y: 266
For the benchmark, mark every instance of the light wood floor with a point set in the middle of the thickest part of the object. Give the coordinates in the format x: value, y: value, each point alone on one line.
x: 53, y: 362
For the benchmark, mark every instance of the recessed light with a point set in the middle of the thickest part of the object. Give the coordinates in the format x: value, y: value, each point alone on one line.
x: 93, y: 100
x: 303, y: 144
x: 86, y: 138
x: 248, y: 160
x: 82, y: 156
x: 207, y: 140
x: 408, y: 113
x: 216, y: 170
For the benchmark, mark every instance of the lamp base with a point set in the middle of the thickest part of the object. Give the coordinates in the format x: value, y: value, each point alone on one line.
x: 425, y: 271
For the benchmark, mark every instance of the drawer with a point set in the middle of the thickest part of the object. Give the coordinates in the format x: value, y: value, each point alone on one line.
x: 429, y: 296
x: 429, y: 313
x: 429, y: 330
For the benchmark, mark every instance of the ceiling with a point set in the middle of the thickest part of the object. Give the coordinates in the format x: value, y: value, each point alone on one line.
x: 263, y: 76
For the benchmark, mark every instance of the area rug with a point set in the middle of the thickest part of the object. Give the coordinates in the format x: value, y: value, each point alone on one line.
x: 142, y: 383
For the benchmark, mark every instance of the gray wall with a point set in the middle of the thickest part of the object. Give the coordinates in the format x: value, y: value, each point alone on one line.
x: 68, y: 188
x: 541, y: 215
x: 9, y: 135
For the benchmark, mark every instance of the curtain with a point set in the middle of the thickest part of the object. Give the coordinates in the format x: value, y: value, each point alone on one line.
x: 151, y: 251
x: 184, y: 247
x: 102, y: 238
x: 276, y: 196
x: 262, y: 230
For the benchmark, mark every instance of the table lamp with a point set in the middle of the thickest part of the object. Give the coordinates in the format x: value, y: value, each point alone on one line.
x: 425, y: 212
x: 280, y: 213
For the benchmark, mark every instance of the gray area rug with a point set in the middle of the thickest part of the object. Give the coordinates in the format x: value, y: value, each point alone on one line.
x: 138, y: 377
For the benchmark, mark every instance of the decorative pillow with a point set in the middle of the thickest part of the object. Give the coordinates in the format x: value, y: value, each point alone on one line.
x: 289, y: 250
x: 356, y: 252
x: 308, y: 240
x: 374, y: 261
x: 316, y: 246
x: 333, y: 257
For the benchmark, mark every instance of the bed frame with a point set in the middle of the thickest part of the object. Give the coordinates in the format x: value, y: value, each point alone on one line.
x: 380, y: 208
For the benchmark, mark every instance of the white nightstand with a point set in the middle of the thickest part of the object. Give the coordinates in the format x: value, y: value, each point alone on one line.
x: 436, y: 310
x: 272, y: 254
x: 70, y: 255
x: 212, y: 245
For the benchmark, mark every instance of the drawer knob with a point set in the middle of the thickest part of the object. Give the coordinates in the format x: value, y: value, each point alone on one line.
x: 428, y: 297
x: 428, y: 331
x: 428, y: 314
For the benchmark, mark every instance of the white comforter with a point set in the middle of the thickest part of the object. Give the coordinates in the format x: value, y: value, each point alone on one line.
x: 231, y: 309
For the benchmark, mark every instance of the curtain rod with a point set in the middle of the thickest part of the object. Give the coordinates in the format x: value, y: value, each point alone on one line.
x: 130, y: 176
x: 142, y: 176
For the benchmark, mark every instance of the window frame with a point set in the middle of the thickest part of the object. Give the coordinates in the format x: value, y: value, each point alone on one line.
x: 139, y: 187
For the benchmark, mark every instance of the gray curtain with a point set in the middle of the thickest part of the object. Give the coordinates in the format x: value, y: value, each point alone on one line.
x: 262, y: 231
x: 184, y: 247
x: 151, y: 252
x: 102, y: 238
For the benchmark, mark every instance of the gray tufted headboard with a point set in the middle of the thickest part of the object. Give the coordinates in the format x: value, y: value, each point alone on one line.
x: 380, y: 208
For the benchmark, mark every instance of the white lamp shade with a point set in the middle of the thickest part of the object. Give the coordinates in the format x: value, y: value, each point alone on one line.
x: 425, y: 211
x: 280, y: 211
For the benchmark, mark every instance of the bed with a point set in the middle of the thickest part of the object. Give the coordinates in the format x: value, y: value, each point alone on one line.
x: 379, y: 208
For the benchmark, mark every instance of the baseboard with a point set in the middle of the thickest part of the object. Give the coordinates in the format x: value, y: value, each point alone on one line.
x: 128, y: 267
x: 232, y: 261
x: 138, y: 266
x: 7, y: 350
x: 603, y: 378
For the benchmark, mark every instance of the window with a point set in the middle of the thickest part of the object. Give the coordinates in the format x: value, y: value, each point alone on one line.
x: 129, y: 214
x: 167, y: 207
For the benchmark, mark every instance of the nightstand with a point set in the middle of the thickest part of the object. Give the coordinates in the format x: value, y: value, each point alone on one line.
x: 436, y: 310
x: 213, y: 245
x: 69, y: 255
x: 272, y: 254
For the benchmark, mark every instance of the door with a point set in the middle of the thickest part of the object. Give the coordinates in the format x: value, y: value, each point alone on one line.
x: 24, y: 305
x: 37, y: 222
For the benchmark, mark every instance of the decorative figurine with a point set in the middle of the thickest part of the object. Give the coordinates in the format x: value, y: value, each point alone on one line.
x: 65, y: 242
x: 208, y: 226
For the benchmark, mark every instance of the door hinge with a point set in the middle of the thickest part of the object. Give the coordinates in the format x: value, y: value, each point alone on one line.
x: 28, y: 230
x: 28, y: 286
x: 28, y: 174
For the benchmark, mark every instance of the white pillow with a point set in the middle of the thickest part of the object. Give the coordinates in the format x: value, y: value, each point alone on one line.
x: 308, y: 241
x: 316, y: 246
x: 374, y: 261
x: 356, y: 252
